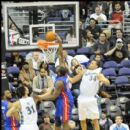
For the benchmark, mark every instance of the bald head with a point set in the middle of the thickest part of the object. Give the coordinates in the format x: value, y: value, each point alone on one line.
x: 36, y: 55
x: 98, y: 10
x: 7, y: 95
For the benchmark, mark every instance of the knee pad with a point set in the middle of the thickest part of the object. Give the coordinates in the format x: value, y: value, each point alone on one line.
x: 57, y: 121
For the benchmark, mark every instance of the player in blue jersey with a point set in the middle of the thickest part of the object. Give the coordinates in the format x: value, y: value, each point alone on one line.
x: 9, y: 123
x: 64, y: 99
x: 62, y: 93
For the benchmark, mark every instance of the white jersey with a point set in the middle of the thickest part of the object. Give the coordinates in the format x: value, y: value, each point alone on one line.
x: 90, y: 84
x: 28, y: 111
x: 87, y: 102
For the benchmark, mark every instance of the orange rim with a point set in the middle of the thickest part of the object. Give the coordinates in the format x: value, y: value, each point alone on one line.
x: 45, y: 44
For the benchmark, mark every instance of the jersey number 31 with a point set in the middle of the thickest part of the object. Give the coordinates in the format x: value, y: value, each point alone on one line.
x: 30, y: 110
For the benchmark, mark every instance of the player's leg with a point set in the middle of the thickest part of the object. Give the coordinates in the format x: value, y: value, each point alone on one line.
x: 95, y: 124
x: 82, y: 108
x: 83, y: 124
x: 66, y: 126
x: 57, y: 123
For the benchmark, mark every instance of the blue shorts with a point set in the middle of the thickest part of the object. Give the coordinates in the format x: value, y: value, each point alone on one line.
x: 64, y: 110
x: 11, y: 128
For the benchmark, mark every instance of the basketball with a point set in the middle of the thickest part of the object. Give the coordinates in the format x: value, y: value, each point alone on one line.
x: 50, y: 36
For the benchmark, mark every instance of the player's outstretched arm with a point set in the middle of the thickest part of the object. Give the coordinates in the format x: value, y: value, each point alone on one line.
x: 103, y: 79
x: 14, y: 108
x: 60, y: 51
x: 53, y: 95
x: 77, y: 77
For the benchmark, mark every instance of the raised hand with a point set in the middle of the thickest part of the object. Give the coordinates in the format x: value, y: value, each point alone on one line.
x: 58, y: 38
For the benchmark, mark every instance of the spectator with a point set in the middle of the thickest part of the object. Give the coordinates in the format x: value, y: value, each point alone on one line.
x: 99, y: 58
x: 74, y: 63
x: 116, y: 17
x: 105, y: 122
x: 89, y: 40
x: 70, y: 34
x: 102, y: 44
x: 67, y: 58
x: 103, y: 5
x: 124, y: 7
x: 26, y: 75
x: 46, y: 125
x: 98, y: 15
x: 119, y: 34
x: 82, y: 33
x: 17, y: 59
x: 94, y: 28
x: 49, y: 71
x: 118, y: 53
x: 65, y: 14
x: 119, y: 125
x: 35, y: 61
x: 70, y: 37
x: 42, y: 82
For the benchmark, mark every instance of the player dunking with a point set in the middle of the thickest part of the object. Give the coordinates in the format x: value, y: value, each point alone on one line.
x: 62, y: 93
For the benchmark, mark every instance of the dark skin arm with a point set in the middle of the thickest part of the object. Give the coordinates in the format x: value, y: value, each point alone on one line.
x: 57, y: 91
x: 15, y: 114
x: 60, y: 51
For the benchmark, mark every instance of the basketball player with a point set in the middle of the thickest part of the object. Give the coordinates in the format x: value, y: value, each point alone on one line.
x: 64, y: 99
x: 87, y: 101
x: 10, y: 123
x: 62, y: 93
x: 27, y: 107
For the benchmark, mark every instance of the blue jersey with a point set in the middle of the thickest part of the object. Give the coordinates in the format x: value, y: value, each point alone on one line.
x: 65, y: 101
x: 10, y: 123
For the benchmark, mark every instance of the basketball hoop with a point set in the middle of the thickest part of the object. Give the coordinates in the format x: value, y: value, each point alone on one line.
x: 49, y: 49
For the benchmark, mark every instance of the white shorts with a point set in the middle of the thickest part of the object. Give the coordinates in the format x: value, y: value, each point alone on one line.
x: 88, y: 108
x: 29, y: 127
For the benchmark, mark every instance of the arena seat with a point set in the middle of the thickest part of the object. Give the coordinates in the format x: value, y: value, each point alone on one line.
x: 125, y: 63
x: 54, y: 19
x: 114, y: 110
x: 23, y: 54
x: 110, y: 64
x: 8, y: 58
x: 110, y: 73
x: 121, y: 102
x: 84, y: 51
x: 71, y: 52
x: 124, y: 72
x: 122, y: 84
x: 122, y: 80
x: 47, y: 106
x: 13, y: 70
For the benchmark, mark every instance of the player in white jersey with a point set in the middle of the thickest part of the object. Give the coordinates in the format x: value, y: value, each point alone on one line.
x: 87, y: 101
x: 26, y: 106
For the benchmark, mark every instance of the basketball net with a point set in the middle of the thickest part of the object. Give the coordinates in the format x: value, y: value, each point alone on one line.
x: 49, y: 49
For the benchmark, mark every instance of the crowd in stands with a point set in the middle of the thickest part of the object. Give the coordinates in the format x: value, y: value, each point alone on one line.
x: 110, y: 47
